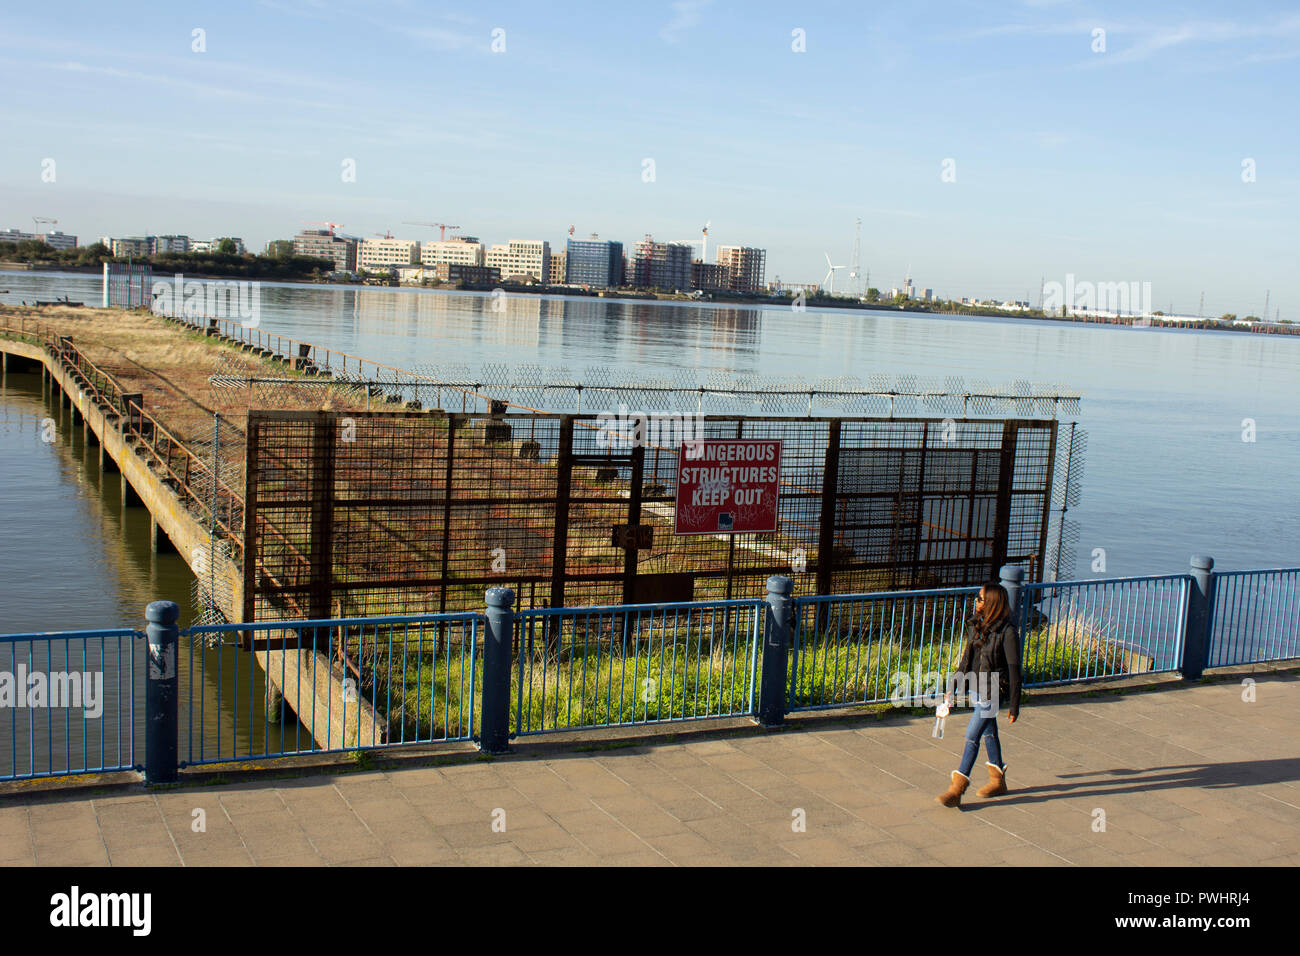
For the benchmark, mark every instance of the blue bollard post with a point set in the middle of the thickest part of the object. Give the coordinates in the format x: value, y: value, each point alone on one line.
x: 1012, y: 575
x: 776, y: 651
x: 161, y: 697
x: 498, y: 645
x: 1200, y: 602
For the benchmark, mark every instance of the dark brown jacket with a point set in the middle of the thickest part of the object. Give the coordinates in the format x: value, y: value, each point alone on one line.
x: 999, y: 654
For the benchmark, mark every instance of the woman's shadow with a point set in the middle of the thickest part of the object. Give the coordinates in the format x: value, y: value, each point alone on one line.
x: 1208, y: 776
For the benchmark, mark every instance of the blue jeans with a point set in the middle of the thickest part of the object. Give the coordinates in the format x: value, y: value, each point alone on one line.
x: 983, y: 724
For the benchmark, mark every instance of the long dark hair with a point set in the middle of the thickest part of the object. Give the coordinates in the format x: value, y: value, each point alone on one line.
x: 996, y: 612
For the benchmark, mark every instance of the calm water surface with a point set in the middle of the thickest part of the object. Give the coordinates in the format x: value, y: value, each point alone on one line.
x: 1167, y: 472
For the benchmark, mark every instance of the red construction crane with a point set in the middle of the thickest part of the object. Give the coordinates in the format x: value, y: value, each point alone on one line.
x: 386, y: 234
x: 331, y: 225
x: 443, y: 226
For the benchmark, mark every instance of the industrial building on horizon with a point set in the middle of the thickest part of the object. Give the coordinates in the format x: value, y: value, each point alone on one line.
x: 55, y: 239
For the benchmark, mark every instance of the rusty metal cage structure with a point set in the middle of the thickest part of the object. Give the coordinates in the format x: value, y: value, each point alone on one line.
x: 415, y: 511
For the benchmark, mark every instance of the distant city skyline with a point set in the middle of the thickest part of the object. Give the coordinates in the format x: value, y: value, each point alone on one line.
x: 987, y: 148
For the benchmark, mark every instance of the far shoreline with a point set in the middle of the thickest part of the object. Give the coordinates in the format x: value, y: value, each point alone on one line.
x: 818, y: 303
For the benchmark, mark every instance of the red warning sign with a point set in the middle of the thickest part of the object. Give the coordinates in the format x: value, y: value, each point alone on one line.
x: 727, y: 486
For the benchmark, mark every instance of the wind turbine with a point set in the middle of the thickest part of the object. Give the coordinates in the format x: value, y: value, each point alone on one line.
x: 829, y: 281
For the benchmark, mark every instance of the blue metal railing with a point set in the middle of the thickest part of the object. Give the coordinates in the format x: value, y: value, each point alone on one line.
x: 634, y: 664
x: 353, y: 683
x: 1082, y: 630
x: 869, y: 648
x: 1255, y: 617
x: 235, y: 692
x: 68, y: 702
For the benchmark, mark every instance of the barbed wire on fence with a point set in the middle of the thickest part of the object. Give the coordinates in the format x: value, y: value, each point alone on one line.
x: 656, y: 396
x: 500, y: 387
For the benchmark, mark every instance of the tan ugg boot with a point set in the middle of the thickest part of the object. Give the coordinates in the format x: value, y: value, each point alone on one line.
x: 952, y: 796
x: 997, y: 784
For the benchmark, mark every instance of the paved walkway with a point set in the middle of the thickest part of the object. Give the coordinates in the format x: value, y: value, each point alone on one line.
x: 1187, y: 775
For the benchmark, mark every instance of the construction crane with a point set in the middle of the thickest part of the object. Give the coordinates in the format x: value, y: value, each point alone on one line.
x: 40, y: 219
x: 704, y: 241
x: 442, y: 226
x: 386, y: 234
x: 330, y: 225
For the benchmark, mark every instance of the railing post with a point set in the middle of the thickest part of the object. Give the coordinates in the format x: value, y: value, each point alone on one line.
x: 1196, y: 639
x: 1012, y: 575
x: 498, y: 644
x: 161, y: 699
x: 776, y: 651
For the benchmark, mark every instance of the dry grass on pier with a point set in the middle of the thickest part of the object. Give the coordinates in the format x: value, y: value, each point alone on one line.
x: 172, y: 366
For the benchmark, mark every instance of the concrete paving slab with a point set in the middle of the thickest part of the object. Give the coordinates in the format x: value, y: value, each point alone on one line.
x: 1186, y: 776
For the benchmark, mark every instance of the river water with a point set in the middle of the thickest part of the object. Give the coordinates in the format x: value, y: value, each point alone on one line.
x: 1167, y: 473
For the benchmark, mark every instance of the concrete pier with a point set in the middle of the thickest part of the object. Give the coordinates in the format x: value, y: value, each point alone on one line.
x: 306, y: 674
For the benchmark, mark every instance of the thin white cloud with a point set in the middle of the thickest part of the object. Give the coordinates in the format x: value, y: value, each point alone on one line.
x: 1131, y: 42
x: 1082, y: 27
x: 686, y: 14
x: 1272, y: 57
x: 1154, y: 41
x: 172, y: 80
x: 444, y: 41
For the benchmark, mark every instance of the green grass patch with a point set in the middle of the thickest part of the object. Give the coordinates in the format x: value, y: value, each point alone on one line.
x: 590, y: 680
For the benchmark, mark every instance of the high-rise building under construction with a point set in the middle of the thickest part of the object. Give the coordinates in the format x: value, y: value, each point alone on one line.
x: 745, y: 266
x: 660, y: 265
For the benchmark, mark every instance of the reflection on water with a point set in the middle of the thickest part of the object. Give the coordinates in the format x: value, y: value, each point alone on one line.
x: 74, y: 559
x: 1166, y: 475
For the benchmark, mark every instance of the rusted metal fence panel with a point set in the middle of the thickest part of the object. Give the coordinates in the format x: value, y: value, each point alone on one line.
x: 417, y: 512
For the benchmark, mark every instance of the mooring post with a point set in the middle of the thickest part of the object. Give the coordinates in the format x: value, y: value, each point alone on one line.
x: 776, y: 651
x: 498, y: 644
x: 161, y: 698
x: 1200, y: 612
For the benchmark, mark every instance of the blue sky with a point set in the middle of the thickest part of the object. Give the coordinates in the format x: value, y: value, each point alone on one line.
x: 1122, y: 165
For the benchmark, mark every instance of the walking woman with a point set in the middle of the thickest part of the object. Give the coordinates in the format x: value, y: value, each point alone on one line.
x: 992, y: 653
